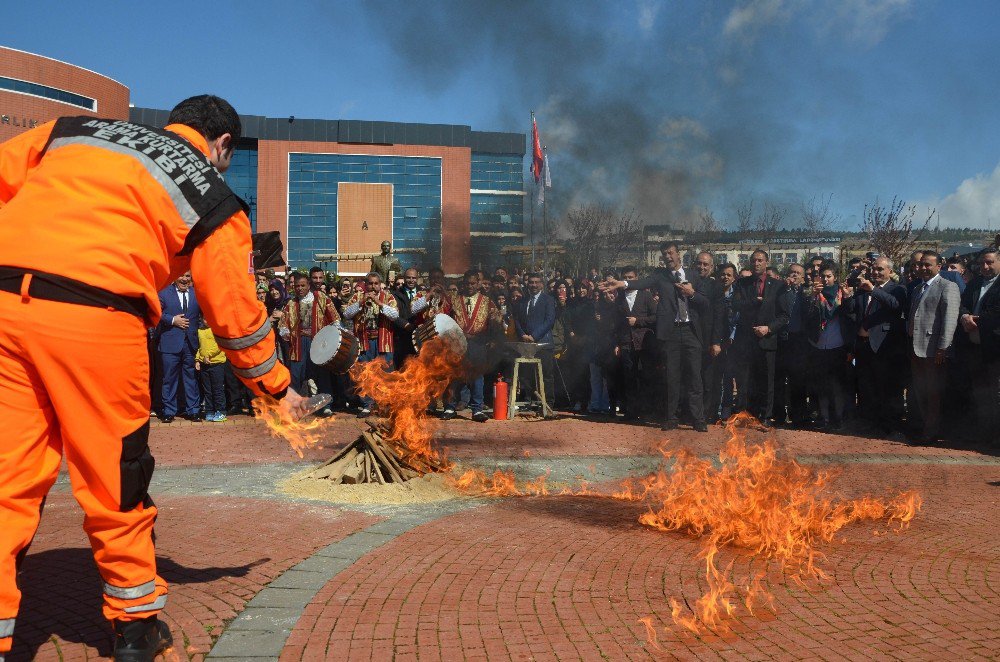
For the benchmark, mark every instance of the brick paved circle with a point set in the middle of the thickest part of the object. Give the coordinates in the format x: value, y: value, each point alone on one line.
x: 568, y: 578
x: 217, y: 553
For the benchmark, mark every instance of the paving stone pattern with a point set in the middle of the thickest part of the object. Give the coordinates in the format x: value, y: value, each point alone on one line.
x: 256, y: 574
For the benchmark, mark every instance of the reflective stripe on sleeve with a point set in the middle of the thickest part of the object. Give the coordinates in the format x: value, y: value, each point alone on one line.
x: 158, y: 603
x: 247, y: 340
x: 6, y: 627
x: 131, y: 592
x: 181, y: 203
x: 257, y: 370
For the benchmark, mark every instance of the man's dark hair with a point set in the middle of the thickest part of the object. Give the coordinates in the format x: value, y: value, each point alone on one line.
x: 761, y: 251
x: 665, y: 245
x: 729, y: 265
x: 814, y: 258
x: 828, y: 265
x: 629, y: 267
x: 471, y: 273
x: 788, y: 269
x: 314, y: 270
x: 209, y: 115
x: 296, y: 275
x: 535, y: 275
x: 933, y: 254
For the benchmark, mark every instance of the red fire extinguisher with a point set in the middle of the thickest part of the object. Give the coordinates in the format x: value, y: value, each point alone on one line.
x: 500, y: 394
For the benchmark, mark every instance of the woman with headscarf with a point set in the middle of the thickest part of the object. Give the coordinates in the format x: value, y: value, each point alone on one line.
x: 277, y: 297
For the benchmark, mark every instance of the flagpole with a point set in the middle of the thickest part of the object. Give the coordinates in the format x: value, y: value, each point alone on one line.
x: 531, y: 201
x: 545, y: 234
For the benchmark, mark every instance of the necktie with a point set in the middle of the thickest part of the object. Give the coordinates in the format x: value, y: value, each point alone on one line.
x: 184, y: 302
x: 531, y: 304
x: 760, y: 288
x: 682, y: 302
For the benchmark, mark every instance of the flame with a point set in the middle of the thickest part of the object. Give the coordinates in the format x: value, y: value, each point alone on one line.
x: 757, y: 500
x: 500, y: 484
x: 650, y: 632
x: 300, y: 434
x: 405, y: 395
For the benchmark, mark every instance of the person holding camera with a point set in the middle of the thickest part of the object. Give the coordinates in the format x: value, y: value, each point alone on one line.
x: 829, y: 328
x: 880, y: 342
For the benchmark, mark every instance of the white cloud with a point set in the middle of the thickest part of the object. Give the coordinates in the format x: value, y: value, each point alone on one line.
x: 648, y: 9
x: 861, y: 21
x: 745, y: 20
x: 975, y: 203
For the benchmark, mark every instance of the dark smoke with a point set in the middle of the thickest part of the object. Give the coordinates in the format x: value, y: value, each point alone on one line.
x: 667, y: 120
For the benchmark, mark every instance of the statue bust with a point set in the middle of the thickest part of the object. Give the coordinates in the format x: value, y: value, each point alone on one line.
x: 385, y: 263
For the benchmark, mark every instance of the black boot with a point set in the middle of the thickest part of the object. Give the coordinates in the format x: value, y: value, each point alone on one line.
x: 141, y: 641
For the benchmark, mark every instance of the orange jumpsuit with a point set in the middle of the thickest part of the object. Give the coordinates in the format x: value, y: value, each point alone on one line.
x: 125, y: 209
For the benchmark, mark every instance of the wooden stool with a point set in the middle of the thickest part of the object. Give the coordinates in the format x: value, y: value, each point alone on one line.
x: 512, y: 406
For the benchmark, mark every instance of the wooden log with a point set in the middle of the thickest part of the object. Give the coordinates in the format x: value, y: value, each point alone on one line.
x: 388, y: 464
x: 334, y: 467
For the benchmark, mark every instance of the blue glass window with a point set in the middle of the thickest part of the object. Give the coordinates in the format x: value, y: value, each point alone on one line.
x: 496, y: 212
x: 312, y: 202
x: 242, y: 177
x: 46, y: 92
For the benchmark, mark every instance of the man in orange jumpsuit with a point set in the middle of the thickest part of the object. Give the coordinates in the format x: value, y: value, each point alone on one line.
x: 96, y: 216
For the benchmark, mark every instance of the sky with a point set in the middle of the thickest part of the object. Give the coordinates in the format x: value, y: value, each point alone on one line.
x: 667, y: 107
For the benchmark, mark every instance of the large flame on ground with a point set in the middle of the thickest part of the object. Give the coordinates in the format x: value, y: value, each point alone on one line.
x: 757, y: 500
x: 404, y: 396
x: 299, y: 433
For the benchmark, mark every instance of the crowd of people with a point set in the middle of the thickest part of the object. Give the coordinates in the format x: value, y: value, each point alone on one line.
x: 884, y: 350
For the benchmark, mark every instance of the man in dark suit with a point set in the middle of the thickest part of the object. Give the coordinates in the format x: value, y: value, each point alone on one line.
x: 406, y: 297
x: 714, y: 332
x: 636, y: 311
x: 792, y: 359
x: 534, y: 319
x: 177, y: 343
x: 979, y: 342
x: 763, y: 313
x: 683, y: 311
x: 880, y: 345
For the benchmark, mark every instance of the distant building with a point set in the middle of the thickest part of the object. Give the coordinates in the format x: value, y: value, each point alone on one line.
x: 454, y: 195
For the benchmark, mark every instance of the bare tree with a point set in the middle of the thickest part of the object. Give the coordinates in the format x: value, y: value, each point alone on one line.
x: 708, y: 227
x: 817, y: 218
x: 767, y: 223
x: 600, y: 236
x: 744, y: 217
x: 890, y: 229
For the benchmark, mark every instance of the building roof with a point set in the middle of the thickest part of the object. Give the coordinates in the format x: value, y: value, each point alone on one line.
x: 361, y: 131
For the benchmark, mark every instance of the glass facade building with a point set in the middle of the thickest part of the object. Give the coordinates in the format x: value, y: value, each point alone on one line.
x: 242, y: 176
x: 497, y: 206
x: 312, y: 201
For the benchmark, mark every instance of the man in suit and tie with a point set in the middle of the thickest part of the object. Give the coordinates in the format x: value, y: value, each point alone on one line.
x: 934, y: 310
x: 792, y: 359
x: 636, y: 320
x: 763, y: 313
x: 410, y: 306
x: 534, y: 319
x: 979, y: 342
x: 879, y: 347
x: 177, y: 343
x: 682, y: 314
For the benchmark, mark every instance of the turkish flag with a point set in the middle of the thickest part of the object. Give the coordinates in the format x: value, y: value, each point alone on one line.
x: 537, y: 158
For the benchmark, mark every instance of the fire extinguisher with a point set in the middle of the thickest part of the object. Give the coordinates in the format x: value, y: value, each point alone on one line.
x: 500, y: 394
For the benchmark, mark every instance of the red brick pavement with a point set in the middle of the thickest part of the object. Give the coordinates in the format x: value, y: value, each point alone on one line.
x: 217, y: 553
x: 248, y: 441
x: 568, y: 578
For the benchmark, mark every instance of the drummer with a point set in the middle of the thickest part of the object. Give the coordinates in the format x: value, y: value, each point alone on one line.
x: 479, y: 318
x: 374, y: 312
x: 305, y: 314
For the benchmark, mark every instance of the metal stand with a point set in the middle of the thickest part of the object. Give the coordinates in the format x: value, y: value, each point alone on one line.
x: 512, y: 406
